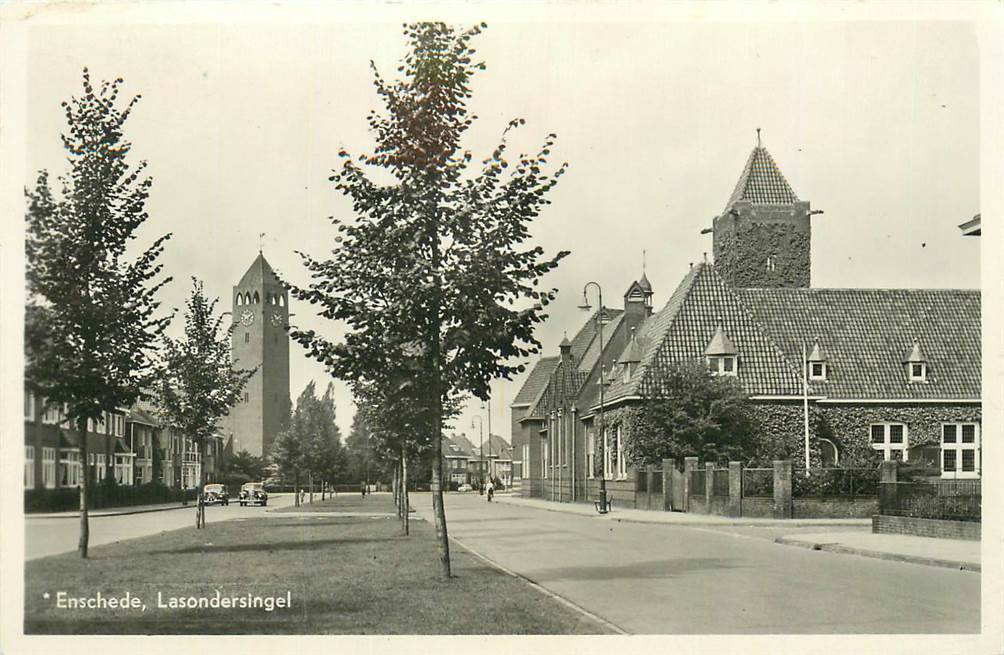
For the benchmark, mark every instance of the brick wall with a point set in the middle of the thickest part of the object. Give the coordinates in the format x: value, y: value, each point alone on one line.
x: 968, y: 530
x: 835, y: 508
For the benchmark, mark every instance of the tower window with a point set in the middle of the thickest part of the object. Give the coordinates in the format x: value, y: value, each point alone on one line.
x: 247, y: 337
x: 246, y: 397
x: 770, y: 263
x: 257, y: 298
x: 282, y: 301
x: 240, y: 300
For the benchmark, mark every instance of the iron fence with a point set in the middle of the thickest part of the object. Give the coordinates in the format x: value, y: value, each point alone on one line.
x: 758, y: 482
x: 720, y: 482
x: 697, y: 484
x: 953, y: 500
x: 838, y: 481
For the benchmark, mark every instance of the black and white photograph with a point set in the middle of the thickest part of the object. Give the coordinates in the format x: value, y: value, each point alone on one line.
x: 404, y: 326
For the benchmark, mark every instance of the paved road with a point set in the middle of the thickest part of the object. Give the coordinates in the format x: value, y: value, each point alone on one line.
x: 665, y: 579
x: 52, y: 536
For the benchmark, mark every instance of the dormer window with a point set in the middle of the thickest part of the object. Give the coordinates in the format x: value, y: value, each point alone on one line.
x: 721, y: 356
x: 723, y: 365
x: 817, y: 363
x: 916, y: 364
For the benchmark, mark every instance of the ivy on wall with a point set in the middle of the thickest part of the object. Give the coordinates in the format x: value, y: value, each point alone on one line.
x: 741, y: 252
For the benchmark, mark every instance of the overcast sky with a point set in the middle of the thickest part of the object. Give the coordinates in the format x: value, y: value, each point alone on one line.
x: 876, y: 124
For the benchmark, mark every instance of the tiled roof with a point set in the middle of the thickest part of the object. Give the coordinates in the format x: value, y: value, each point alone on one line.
x: 536, y: 381
x: 868, y: 333
x: 588, y: 360
x: 457, y: 445
x: 762, y: 182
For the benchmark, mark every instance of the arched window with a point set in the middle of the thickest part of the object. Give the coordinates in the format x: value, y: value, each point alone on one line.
x: 240, y: 299
x: 257, y: 298
x: 247, y: 298
x: 828, y: 453
x: 282, y: 301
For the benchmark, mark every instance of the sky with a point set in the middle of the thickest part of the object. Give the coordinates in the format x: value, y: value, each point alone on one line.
x: 875, y: 123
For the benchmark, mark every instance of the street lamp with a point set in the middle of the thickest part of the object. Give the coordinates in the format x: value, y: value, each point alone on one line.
x: 599, y: 322
x: 481, y: 452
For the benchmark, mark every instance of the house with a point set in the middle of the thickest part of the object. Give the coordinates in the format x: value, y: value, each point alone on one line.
x: 497, y: 458
x: 458, y: 453
x: 893, y: 373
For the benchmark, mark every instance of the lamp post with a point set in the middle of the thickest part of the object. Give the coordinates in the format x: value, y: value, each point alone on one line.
x: 599, y: 322
x: 481, y: 452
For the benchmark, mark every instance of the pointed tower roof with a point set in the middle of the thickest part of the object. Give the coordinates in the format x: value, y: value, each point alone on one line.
x: 645, y: 284
x: 720, y: 344
x: 915, y: 356
x: 565, y: 343
x: 259, y: 273
x: 761, y: 182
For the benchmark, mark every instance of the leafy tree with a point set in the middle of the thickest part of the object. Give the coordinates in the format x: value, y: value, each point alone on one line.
x: 436, y: 269
x: 357, y: 451
x: 698, y: 415
x: 324, y: 456
x: 300, y: 448
x: 196, y: 385
x: 254, y: 468
x: 95, y: 347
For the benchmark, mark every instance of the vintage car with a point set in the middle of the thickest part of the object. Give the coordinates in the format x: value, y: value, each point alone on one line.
x: 215, y: 493
x: 253, y: 493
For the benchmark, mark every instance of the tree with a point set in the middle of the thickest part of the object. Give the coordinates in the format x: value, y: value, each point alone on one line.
x: 94, y: 349
x: 357, y: 452
x: 324, y: 456
x: 697, y: 414
x: 435, y: 269
x: 248, y: 465
x: 300, y: 448
x: 196, y: 384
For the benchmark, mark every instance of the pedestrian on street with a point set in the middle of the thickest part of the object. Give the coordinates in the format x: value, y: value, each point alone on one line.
x: 491, y: 489
x: 302, y: 494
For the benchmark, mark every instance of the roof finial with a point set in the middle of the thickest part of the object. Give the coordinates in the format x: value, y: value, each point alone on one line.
x: 261, y: 242
x: 643, y: 261
x: 758, y: 137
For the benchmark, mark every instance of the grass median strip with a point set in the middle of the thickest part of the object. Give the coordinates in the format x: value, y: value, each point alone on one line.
x: 338, y: 575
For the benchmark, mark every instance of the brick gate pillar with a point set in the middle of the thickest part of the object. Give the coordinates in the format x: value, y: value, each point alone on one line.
x: 782, y: 489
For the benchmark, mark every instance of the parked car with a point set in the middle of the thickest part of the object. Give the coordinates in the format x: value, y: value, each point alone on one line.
x: 215, y: 493
x: 465, y: 487
x: 253, y: 493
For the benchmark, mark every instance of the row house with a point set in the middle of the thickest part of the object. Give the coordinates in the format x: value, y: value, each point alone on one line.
x: 497, y: 459
x: 129, y: 445
x: 886, y: 373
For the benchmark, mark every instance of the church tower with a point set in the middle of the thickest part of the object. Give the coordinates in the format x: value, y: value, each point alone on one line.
x: 261, y: 313
x: 763, y: 238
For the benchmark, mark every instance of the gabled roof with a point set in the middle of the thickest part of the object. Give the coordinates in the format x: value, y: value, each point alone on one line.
x: 259, y: 274
x: 868, y: 331
x: 761, y: 182
x: 720, y: 344
x: 457, y: 445
x: 535, y: 382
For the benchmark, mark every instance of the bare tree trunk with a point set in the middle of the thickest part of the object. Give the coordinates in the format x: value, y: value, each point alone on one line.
x: 200, y: 514
x: 404, y: 490
x: 310, y: 481
x: 85, y: 530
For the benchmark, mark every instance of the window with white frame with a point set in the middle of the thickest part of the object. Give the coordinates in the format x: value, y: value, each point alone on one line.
x: 29, y: 467
x: 48, y: 467
x: 52, y: 415
x: 960, y: 450
x: 817, y: 370
x: 891, y: 439
x: 123, y: 470
x: 29, y: 406
x: 621, y: 459
x: 545, y: 458
x: 525, y: 465
x: 918, y: 371
x: 100, y: 467
x: 590, y: 454
x: 608, y: 460
x: 723, y: 365
x: 69, y: 467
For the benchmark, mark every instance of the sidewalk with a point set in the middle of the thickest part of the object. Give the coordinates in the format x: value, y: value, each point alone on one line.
x: 948, y: 553
x: 112, y: 511
x: 674, y: 518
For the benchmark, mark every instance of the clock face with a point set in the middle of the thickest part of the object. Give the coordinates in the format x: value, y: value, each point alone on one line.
x: 277, y: 319
x: 247, y: 318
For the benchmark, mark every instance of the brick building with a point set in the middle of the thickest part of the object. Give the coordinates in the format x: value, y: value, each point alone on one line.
x: 892, y: 372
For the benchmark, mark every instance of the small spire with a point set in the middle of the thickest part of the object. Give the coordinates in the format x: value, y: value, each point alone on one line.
x: 705, y: 258
x: 565, y: 343
x: 261, y: 242
x: 758, y: 137
x: 643, y: 262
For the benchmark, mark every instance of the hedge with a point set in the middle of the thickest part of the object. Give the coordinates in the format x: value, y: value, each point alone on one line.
x: 102, y: 496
